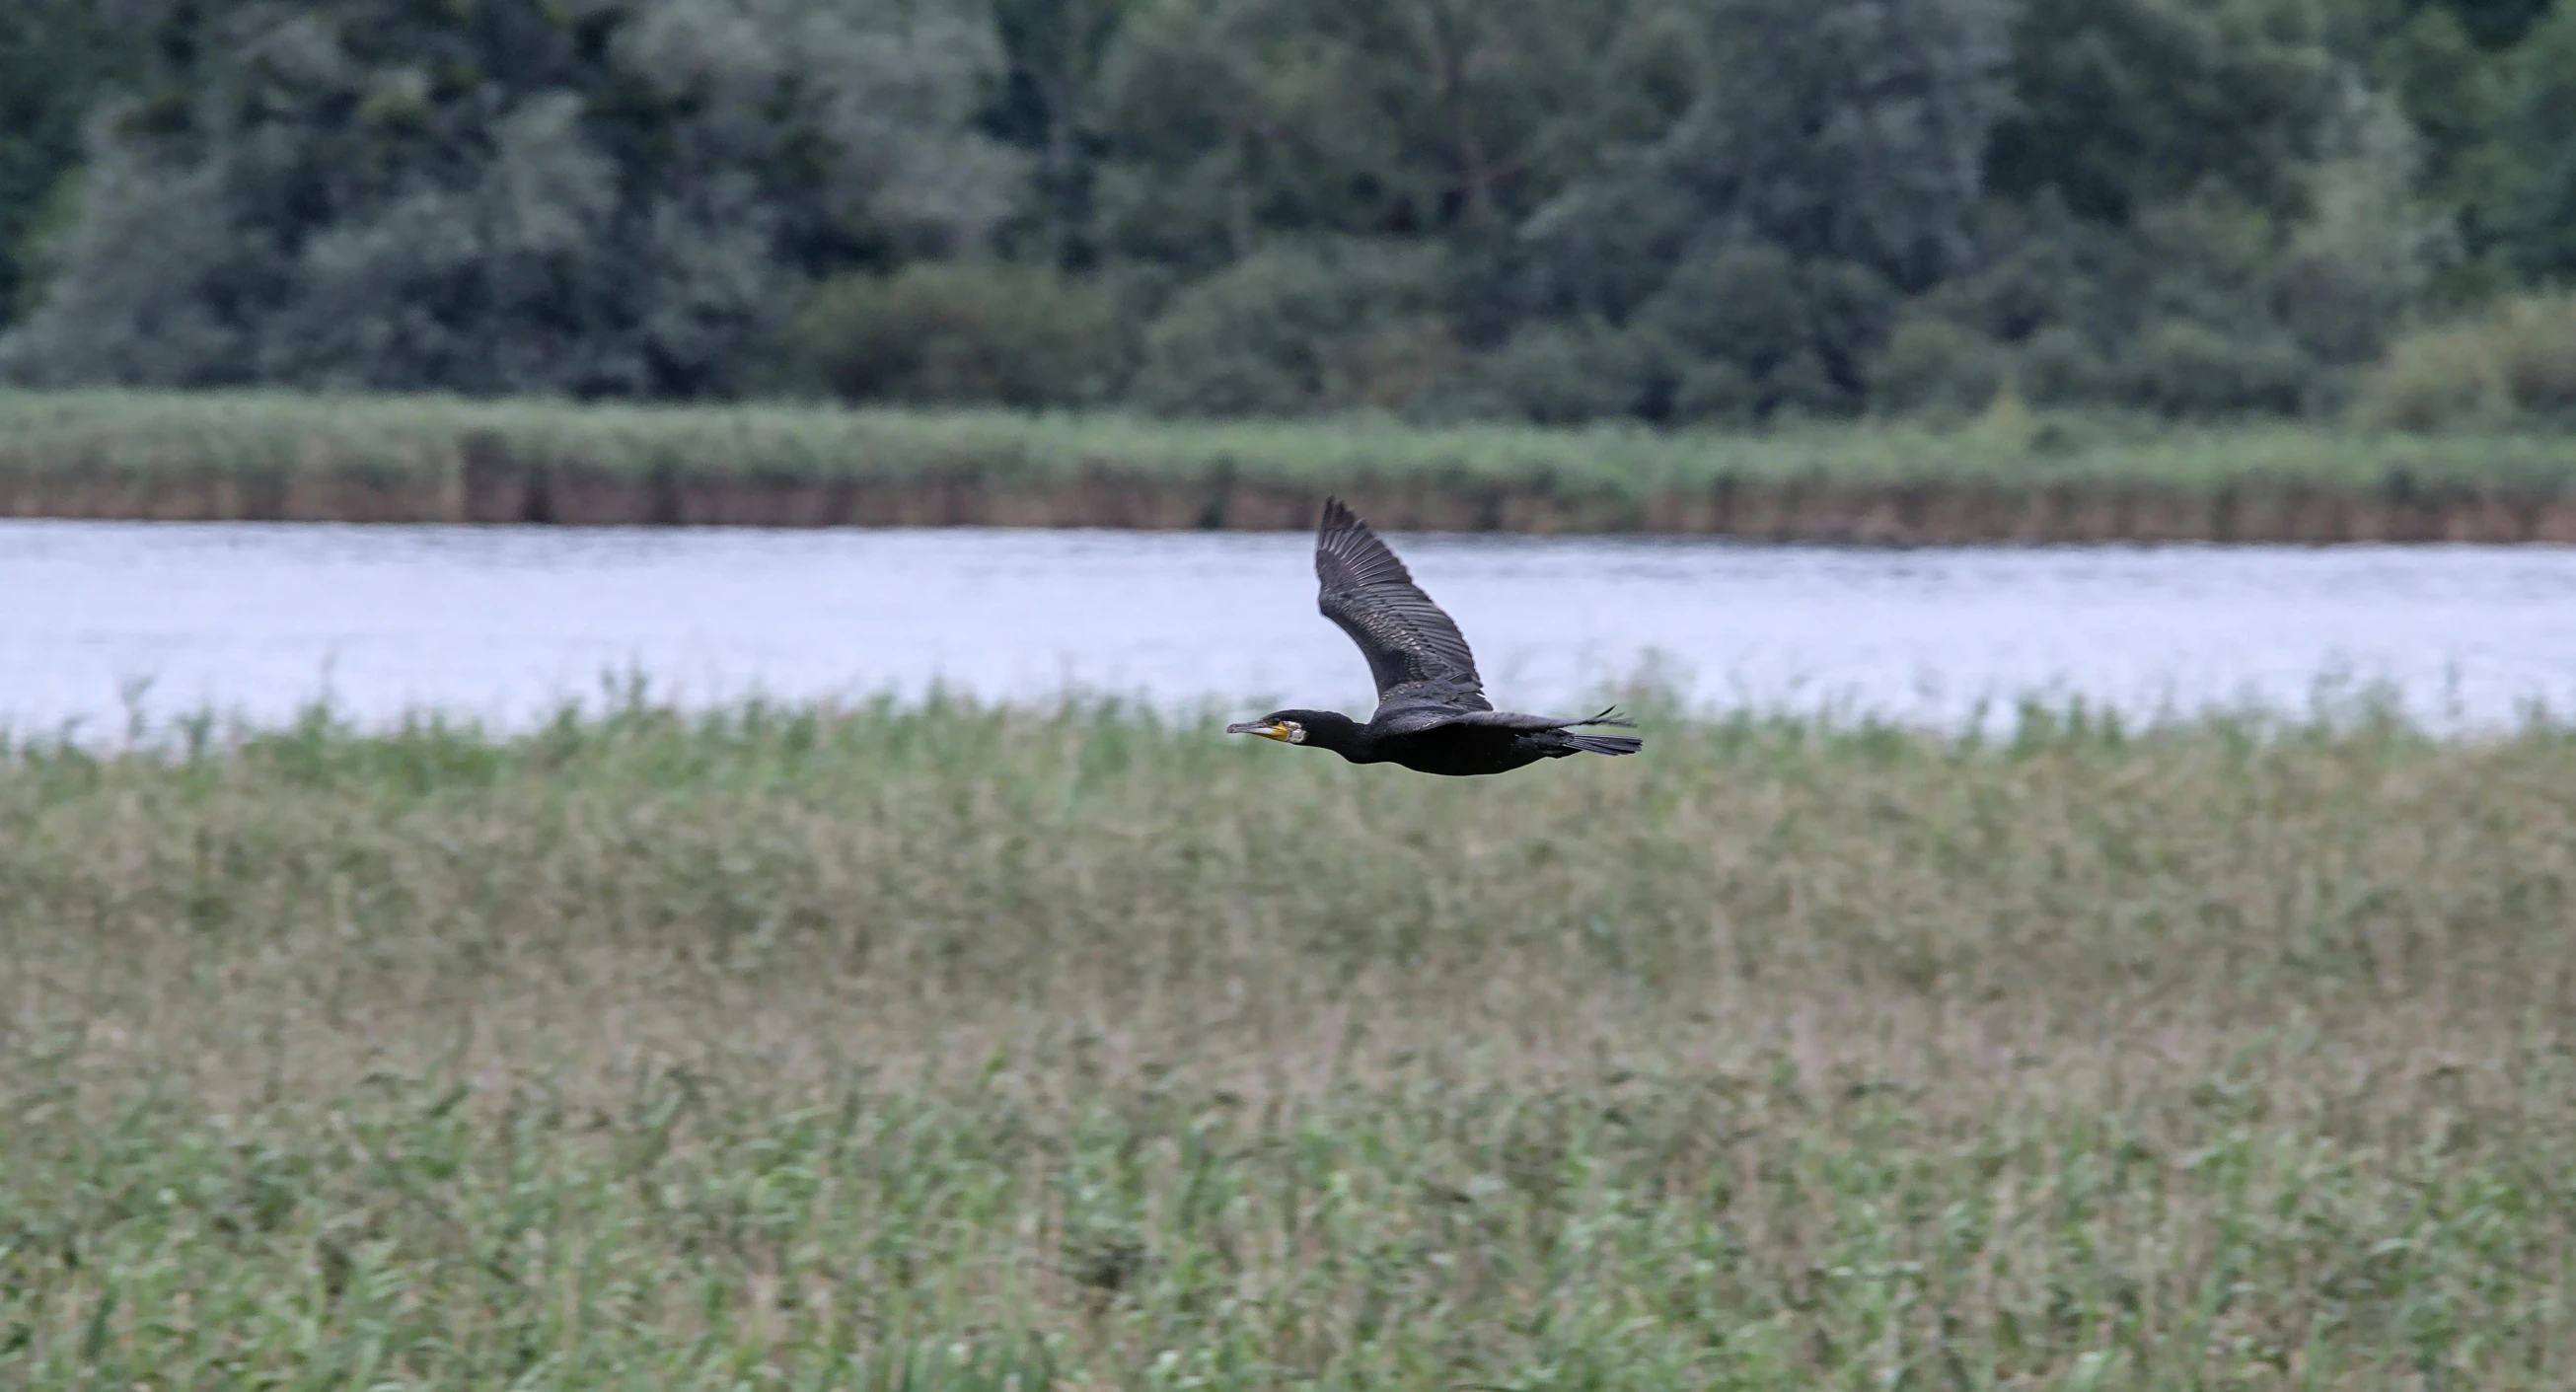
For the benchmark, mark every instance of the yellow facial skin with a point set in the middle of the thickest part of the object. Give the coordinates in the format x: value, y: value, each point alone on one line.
x: 1279, y: 730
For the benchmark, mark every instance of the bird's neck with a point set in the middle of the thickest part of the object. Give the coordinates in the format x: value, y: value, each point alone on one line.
x: 1340, y: 734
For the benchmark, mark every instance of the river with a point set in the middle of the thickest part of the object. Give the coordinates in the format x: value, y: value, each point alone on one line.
x: 102, y: 621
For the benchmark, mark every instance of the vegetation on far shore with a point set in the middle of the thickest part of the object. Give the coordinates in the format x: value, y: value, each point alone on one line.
x: 949, y: 1047
x: 1703, y: 213
x: 422, y: 440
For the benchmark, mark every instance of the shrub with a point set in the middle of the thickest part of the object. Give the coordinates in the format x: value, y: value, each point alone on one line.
x: 1933, y: 365
x: 2539, y: 356
x: 1562, y: 373
x: 2039, y: 269
x: 2337, y: 308
x: 1304, y: 329
x: 2059, y: 367
x: 2432, y: 380
x: 1716, y: 393
x: 959, y: 333
x: 2514, y: 364
x: 2368, y: 246
x: 1745, y: 304
x: 1796, y: 333
x: 2184, y: 369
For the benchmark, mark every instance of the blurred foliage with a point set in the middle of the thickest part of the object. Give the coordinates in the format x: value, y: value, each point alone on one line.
x: 54, y: 57
x: 1939, y: 366
x: 1294, y: 329
x: 2123, y: 103
x: 2514, y: 366
x: 944, y: 333
x: 1551, y: 211
x: 598, y: 199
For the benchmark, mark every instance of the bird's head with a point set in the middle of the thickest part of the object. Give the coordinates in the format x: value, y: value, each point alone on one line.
x: 1297, y: 727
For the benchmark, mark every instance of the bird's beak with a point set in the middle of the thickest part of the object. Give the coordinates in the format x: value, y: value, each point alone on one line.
x: 1267, y: 729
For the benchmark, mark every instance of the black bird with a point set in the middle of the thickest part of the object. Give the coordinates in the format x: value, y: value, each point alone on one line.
x: 1432, y: 715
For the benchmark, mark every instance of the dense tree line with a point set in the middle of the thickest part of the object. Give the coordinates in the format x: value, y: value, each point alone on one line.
x: 1549, y: 210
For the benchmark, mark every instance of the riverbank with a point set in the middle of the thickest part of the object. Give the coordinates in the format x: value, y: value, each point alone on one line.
x: 2004, y: 477
x: 941, y: 1045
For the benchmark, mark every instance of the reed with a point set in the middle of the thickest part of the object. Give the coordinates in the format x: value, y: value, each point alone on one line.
x: 422, y: 441
x: 938, y: 1045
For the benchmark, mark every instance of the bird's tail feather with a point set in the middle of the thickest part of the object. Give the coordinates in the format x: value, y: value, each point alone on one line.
x: 1609, y: 716
x: 1605, y: 744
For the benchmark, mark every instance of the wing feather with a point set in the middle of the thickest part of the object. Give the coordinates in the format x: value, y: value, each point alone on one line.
x: 1414, y: 650
x: 1432, y: 718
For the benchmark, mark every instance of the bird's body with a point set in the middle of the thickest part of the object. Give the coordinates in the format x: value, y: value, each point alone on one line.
x: 1432, y: 715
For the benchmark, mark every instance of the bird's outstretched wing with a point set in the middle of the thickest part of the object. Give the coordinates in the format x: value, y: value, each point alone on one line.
x: 1422, y: 718
x: 1414, y: 651
x: 1515, y: 720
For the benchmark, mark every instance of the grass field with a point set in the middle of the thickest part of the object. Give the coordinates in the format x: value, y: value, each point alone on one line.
x: 419, y: 441
x: 942, y: 1047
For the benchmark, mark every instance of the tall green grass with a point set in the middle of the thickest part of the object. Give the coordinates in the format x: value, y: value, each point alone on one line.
x: 943, y: 1046
x: 421, y: 440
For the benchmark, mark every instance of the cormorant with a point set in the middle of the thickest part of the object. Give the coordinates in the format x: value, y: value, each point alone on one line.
x: 1432, y: 715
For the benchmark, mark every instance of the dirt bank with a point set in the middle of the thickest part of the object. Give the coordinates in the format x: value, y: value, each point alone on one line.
x: 1914, y: 515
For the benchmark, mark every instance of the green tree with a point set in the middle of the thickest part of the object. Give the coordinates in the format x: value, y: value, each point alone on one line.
x: 1047, y: 104
x: 959, y: 333
x: 1844, y: 130
x: 623, y: 197
x: 1302, y: 327
x: 1555, y: 210
x: 2124, y: 103
x: 56, y: 57
x: 2534, y: 218
x: 1832, y: 162
x: 1228, y: 120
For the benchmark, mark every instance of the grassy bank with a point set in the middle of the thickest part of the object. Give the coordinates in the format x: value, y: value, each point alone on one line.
x: 301, y: 457
x: 982, y: 1049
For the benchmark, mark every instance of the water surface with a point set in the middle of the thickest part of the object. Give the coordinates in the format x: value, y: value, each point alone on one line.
x: 505, y: 623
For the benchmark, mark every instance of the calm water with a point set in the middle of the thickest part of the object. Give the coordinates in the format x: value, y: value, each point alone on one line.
x: 503, y: 623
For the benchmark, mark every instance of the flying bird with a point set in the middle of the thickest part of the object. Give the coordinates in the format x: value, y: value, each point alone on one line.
x: 1432, y: 715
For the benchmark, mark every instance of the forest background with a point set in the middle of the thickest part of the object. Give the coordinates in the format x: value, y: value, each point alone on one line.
x: 1677, y: 212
